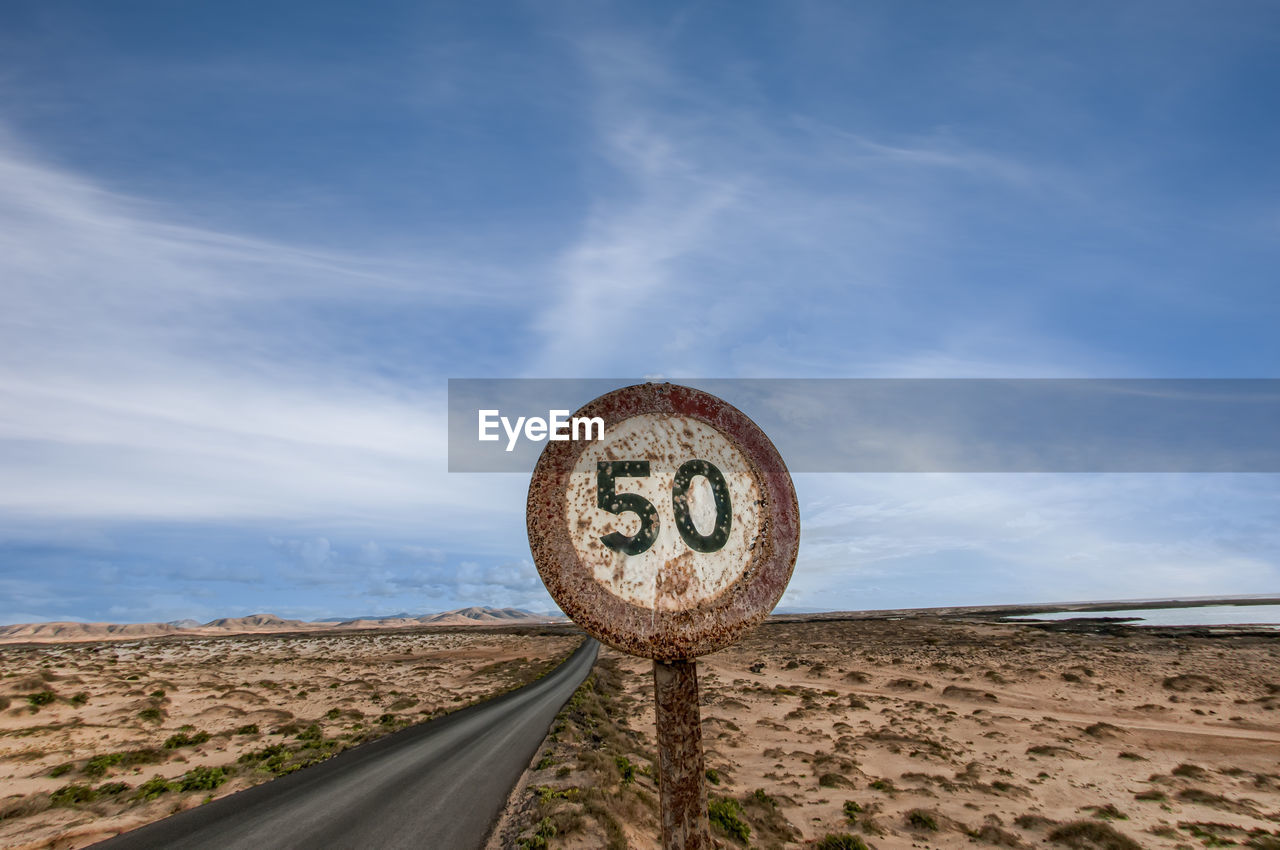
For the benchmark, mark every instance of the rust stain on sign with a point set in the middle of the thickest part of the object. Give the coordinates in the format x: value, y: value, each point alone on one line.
x: 672, y: 535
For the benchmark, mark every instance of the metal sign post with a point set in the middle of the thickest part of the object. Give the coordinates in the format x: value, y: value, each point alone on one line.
x: 682, y: 783
x: 669, y: 538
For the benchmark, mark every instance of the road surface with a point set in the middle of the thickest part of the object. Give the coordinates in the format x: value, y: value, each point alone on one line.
x: 441, y: 784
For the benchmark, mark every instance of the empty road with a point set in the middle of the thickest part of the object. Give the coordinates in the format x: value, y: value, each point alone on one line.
x: 441, y: 784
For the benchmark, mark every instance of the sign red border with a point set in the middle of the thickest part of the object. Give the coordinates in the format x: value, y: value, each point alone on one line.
x: 665, y: 635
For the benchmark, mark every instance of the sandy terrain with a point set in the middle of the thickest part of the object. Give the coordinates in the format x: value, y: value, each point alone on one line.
x: 935, y: 733
x: 100, y: 737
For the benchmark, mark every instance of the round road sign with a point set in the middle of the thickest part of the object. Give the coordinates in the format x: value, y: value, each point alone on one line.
x: 673, y: 534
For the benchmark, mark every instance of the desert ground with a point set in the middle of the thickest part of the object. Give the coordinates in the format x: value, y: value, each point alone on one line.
x: 934, y: 732
x: 99, y: 737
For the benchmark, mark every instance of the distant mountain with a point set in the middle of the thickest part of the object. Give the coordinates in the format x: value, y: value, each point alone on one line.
x: 254, y: 622
x: 474, y: 615
x: 484, y: 615
x: 263, y: 624
x: 52, y: 632
x: 403, y: 615
x: 376, y: 623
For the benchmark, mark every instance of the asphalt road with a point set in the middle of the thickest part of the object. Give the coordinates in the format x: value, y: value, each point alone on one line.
x: 441, y: 784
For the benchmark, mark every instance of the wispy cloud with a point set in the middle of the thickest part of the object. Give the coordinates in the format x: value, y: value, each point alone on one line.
x: 730, y: 240
x: 152, y: 369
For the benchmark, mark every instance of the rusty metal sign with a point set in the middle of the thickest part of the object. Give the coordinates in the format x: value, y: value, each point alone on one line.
x: 668, y: 537
x: 672, y: 535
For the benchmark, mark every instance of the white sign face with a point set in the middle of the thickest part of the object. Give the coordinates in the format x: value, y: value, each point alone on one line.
x: 664, y: 510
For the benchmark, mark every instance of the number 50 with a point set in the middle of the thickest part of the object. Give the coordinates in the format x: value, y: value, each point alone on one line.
x: 609, y: 499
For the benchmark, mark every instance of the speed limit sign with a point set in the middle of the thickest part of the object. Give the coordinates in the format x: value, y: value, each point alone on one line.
x: 668, y: 537
x: 673, y: 534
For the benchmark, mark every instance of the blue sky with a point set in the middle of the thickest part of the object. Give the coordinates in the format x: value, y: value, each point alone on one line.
x: 243, y: 247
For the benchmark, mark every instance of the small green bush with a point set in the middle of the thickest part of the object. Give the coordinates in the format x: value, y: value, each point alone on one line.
x: 112, y: 788
x: 546, y: 794
x: 264, y: 754
x: 852, y: 810
x: 538, y: 841
x: 39, y: 700
x: 713, y: 776
x: 921, y: 819
x: 79, y: 699
x: 182, y: 739
x: 69, y: 795
x: 147, y: 756
x: 98, y: 765
x: 626, y: 769
x: 202, y: 779
x: 840, y: 841
x: 726, y: 814
x: 61, y: 769
x: 153, y: 787
x: 153, y: 713
x: 248, y: 729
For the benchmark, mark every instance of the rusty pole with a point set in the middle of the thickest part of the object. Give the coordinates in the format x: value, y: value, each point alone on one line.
x: 681, y: 772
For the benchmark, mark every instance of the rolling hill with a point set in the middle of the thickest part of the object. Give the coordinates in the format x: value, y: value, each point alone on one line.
x: 60, y: 632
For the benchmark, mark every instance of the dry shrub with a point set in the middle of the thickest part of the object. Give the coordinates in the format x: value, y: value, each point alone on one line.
x: 962, y: 692
x: 906, y: 684
x: 992, y: 834
x: 1033, y: 822
x: 833, y: 780
x: 1192, y: 682
x: 1190, y: 771
x: 1103, y: 731
x: 769, y: 827
x: 840, y: 841
x: 21, y: 807
x: 1217, y: 801
x: 1092, y: 835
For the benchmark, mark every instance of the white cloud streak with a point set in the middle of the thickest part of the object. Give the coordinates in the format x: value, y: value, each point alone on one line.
x: 870, y: 540
x: 158, y: 370
x: 724, y: 240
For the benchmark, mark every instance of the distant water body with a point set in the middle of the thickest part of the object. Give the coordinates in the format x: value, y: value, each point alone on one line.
x: 1201, y: 615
